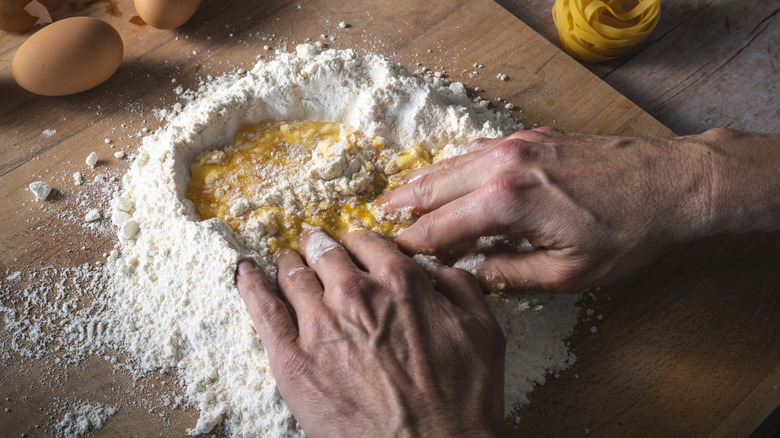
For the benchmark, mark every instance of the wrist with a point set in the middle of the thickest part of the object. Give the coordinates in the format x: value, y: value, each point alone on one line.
x: 744, y: 183
x: 448, y: 424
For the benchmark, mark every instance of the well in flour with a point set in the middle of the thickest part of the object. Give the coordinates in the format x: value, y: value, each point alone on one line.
x: 173, y: 300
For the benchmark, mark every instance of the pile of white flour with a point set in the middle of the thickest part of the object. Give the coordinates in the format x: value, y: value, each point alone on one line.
x: 173, y: 298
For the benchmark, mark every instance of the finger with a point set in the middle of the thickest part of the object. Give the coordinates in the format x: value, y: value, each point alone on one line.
x: 538, y: 271
x: 460, y: 222
x: 470, y: 151
x: 372, y: 250
x: 270, y: 316
x: 396, y: 201
x: 329, y: 260
x: 482, y: 144
x: 431, y: 190
x: 550, y: 135
x: 446, y: 163
x: 403, y: 196
x: 462, y: 289
x: 298, y: 283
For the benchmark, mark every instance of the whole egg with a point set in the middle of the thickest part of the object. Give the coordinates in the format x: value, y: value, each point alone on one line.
x: 166, y: 14
x: 68, y: 56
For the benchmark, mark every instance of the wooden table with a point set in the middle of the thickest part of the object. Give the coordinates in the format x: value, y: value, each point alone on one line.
x: 688, y: 347
x: 708, y: 63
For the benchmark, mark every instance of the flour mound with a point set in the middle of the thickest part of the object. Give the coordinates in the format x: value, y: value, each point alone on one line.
x: 173, y: 300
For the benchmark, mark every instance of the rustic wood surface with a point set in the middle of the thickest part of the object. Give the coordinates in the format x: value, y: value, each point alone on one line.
x: 688, y: 347
x: 708, y: 63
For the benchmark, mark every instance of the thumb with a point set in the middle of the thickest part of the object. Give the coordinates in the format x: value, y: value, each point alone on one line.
x: 538, y: 271
x: 270, y: 315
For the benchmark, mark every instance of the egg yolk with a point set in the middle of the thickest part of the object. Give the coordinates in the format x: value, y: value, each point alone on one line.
x: 229, y: 183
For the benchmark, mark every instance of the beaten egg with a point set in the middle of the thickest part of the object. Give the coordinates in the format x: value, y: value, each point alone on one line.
x: 68, y: 56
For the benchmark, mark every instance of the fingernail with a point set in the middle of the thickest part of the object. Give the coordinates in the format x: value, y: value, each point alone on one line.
x: 245, y: 266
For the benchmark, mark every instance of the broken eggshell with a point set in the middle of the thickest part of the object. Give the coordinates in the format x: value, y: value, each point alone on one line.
x: 13, y: 17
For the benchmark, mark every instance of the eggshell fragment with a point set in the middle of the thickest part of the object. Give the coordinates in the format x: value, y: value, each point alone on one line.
x: 166, y: 14
x: 68, y: 56
x: 13, y: 17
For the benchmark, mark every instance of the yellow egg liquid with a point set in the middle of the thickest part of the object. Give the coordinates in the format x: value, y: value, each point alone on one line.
x: 267, y: 160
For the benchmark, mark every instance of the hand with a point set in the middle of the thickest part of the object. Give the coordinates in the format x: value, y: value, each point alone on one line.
x: 596, y: 207
x: 377, y: 350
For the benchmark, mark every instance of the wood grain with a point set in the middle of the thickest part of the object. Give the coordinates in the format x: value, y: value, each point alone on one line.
x: 708, y: 63
x: 687, y: 348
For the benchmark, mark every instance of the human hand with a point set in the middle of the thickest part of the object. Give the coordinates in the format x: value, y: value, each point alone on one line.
x: 596, y: 207
x: 377, y: 350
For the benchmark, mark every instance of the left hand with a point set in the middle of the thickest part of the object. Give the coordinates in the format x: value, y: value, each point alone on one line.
x: 377, y: 349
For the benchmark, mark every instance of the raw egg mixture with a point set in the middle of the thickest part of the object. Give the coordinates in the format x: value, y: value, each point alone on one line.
x: 276, y: 178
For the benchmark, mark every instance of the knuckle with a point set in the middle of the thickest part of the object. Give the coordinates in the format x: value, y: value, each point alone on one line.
x: 516, y: 151
x: 421, y: 190
x: 268, y: 311
x: 401, y: 275
x: 506, y: 189
x: 296, y: 275
x: 353, y: 288
x: 294, y: 361
x: 319, y: 322
x: 480, y: 143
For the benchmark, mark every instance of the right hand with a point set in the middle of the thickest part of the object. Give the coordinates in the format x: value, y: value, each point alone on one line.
x: 596, y: 207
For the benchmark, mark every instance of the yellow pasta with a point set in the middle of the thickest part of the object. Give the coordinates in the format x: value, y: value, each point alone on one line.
x: 597, y: 31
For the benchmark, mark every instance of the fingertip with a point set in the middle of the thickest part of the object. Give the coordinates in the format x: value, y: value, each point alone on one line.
x: 248, y: 276
x: 383, y: 200
x: 389, y: 202
x: 284, y: 253
x: 352, y: 233
x: 405, y: 242
x: 245, y: 266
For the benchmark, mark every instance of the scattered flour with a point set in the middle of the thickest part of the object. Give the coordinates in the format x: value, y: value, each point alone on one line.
x: 84, y: 418
x: 92, y: 159
x: 40, y: 189
x: 92, y: 215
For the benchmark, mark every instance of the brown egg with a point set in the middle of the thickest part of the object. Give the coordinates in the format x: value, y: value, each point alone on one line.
x: 68, y: 56
x: 166, y: 14
x: 13, y: 17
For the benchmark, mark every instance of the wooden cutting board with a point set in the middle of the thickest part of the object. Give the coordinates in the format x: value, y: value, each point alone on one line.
x: 688, y: 347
